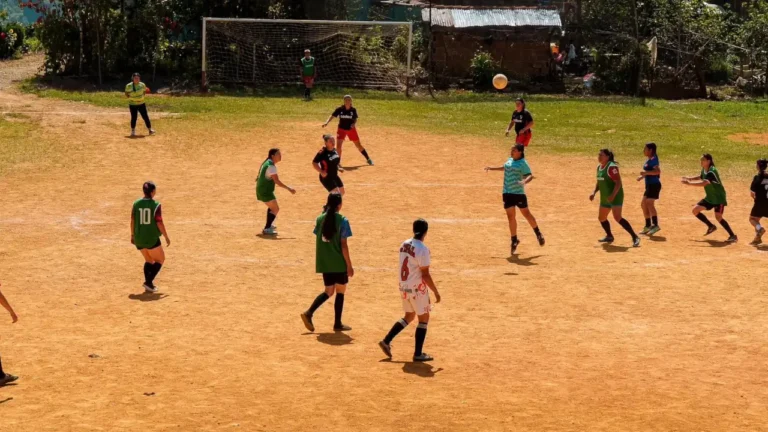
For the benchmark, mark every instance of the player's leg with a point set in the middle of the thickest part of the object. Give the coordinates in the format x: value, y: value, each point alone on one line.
x: 651, y: 204
x: 149, y: 265
x: 399, y: 326
x: 6, y: 378
x: 338, y: 305
x: 145, y: 116
x: 355, y: 138
x: 754, y: 219
x: 697, y: 211
x: 134, y: 116
x: 272, y: 209
x: 526, y: 212
x: 330, y: 288
x: 719, y: 210
x: 158, y: 256
x: 646, y: 214
x: 421, y: 335
x: 512, y: 220
x: 617, y: 210
x: 339, y: 186
x: 602, y: 216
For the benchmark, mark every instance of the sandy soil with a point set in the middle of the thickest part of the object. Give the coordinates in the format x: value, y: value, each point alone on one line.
x: 751, y: 138
x: 573, y: 336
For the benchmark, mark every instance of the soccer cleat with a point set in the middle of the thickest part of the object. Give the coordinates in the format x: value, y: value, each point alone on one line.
x: 370, y: 162
x: 646, y: 230
x: 606, y: 239
x: 386, y: 348
x: 756, y: 241
x: 636, y: 242
x: 759, y: 235
x: 710, y: 230
x: 654, y: 229
x: 269, y: 231
x: 151, y: 131
x: 8, y: 378
x: 541, y: 240
x: 307, y: 319
x: 515, y: 244
x: 424, y: 357
x: 342, y: 327
x: 133, y: 133
x: 149, y: 288
x: 732, y: 239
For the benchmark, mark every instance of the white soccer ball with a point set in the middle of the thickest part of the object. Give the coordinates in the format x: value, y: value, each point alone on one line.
x: 500, y: 81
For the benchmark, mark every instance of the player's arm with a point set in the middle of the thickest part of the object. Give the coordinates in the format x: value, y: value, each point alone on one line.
x: 161, y: 226
x: 528, y: 126
x: 509, y: 127
x: 527, y: 178
x: 614, y: 174
x: 333, y: 114
x: 354, y: 119
x: 316, y: 164
x: 133, y: 221
x: 594, y: 192
x: 498, y: 168
x: 347, y: 258
x: 277, y: 181
x: 691, y: 181
x: 427, y: 277
x: 8, y: 307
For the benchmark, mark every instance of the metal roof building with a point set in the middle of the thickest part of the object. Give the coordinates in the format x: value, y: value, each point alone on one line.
x: 469, y: 18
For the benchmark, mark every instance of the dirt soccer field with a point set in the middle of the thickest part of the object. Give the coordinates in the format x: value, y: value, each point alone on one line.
x: 573, y: 336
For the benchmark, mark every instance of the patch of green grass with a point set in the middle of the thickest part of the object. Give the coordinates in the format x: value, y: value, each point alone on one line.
x: 20, y: 143
x: 683, y: 130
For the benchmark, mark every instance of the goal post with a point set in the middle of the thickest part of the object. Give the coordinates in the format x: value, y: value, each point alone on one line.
x: 265, y: 52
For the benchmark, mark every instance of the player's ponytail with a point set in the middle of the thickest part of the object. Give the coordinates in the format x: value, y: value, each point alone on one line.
x: 609, y: 154
x: 272, y: 153
x: 652, y: 147
x: 708, y: 157
x: 148, y: 188
x: 762, y: 165
x: 329, y: 224
x: 522, y: 101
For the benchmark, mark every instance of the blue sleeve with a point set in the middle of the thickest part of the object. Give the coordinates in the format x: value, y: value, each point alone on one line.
x: 526, y: 169
x: 345, y: 231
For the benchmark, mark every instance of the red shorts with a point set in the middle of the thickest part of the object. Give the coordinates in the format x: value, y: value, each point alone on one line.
x: 308, y: 81
x: 342, y: 134
x: 524, y: 138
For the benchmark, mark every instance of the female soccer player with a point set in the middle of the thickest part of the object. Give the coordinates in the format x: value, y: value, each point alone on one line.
x: 265, y: 188
x: 611, y: 196
x: 759, y: 190
x: 326, y: 162
x: 6, y: 378
x: 347, y: 115
x: 332, y: 260
x: 517, y: 174
x: 523, y: 122
x: 715, y: 197
x: 652, y: 175
x: 135, y: 91
x: 414, y: 281
x: 308, y: 72
x: 146, y: 227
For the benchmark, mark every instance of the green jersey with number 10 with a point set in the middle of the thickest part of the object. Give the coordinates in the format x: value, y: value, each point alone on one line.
x: 145, y: 229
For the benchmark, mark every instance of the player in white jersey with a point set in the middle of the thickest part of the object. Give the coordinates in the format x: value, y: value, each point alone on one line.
x: 414, y: 281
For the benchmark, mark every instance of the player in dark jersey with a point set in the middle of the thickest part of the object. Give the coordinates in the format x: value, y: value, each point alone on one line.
x: 146, y: 227
x: 759, y: 190
x: 6, y: 378
x: 611, y: 196
x: 652, y: 174
x: 715, y: 198
x: 347, y: 115
x: 523, y: 122
x: 326, y: 162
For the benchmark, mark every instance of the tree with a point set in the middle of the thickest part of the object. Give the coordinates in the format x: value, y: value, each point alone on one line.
x: 754, y: 36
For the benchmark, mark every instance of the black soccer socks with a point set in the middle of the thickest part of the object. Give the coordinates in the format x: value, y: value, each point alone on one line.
x: 702, y: 217
x: 338, y: 308
x: 395, y: 330
x: 421, y: 335
x: 319, y: 300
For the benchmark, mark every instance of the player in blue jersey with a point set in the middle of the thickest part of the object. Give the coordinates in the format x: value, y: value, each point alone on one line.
x: 517, y: 174
x: 652, y: 175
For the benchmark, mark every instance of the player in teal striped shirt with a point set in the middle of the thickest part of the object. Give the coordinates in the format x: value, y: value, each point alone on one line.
x: 517, y: 174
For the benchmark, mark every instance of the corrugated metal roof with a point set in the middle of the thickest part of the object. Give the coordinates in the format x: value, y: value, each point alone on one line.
x: 464, y: 18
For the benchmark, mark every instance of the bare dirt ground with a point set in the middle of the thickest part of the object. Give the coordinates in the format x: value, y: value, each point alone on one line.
x: 573, y: 336
x: 751, y: 138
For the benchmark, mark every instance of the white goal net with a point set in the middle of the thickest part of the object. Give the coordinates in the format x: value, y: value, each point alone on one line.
x: 365, y: 54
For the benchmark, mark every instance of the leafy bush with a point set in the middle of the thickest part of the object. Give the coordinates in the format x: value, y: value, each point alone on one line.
x: 11, y: 37
x: 483, y: 67
x: 720, y: 71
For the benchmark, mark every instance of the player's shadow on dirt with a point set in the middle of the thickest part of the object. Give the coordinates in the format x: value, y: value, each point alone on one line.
x: 525, y: 262
x: 135, y: 137
x: 713, y: 243
x: 146, y: 297
x: 613, y: 248
x: 424, y: 370
x: 354, y: 168
x: 657, y: 239
x: 6, y: 400
x: 335, y: 338
x: 762, y: 247
x: 272, y: 237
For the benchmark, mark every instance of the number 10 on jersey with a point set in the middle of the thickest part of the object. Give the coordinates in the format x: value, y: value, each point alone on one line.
x: 145, y: 216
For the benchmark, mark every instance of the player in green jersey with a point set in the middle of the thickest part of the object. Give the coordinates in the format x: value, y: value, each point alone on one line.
x: 714, y: 198
x: 308, y: 72
x: 146, y: 227
x: 332, y: 259
x: 135, y: 91
x: 611, y: 196
x: 6, y: 378
x: 265, y: 188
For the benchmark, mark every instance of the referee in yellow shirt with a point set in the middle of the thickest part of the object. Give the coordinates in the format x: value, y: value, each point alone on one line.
x: 135, y: 91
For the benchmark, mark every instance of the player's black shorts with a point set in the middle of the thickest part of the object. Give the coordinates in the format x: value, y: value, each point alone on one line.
x: 157, y: 245
x: 331, y: 279
x: 652, y: 191
x: 515, y: 200
x: 719, y: 208
x: 331, y: 183
x: 759, y: 211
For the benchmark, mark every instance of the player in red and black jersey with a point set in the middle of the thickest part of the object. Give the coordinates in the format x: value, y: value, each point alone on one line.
x: 759, y: 189
x: 523, y: 122
x: 326, y: 162
x: 347, y: 115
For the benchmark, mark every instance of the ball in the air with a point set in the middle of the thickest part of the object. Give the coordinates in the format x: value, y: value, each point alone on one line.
x: 500, y: 81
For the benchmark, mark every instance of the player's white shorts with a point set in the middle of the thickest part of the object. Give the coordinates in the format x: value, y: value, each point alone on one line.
x: 416, y: 300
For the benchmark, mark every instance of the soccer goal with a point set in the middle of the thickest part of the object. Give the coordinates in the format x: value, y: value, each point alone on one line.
x: 263, y: 52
